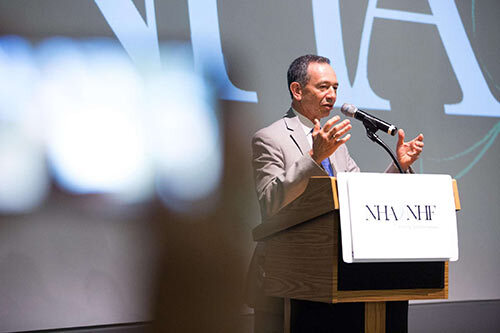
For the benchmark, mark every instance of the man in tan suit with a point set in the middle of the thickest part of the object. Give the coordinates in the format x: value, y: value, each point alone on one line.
x: 291, y: 150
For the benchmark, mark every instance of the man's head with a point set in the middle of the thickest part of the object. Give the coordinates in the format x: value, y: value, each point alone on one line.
x: 313, y: 86
x: 297, y: 72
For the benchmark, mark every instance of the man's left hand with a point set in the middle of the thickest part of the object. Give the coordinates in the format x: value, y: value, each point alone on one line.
x: 408, y: 152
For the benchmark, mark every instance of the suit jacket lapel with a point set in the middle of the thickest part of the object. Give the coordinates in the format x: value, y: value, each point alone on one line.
x: 292, y: 123
x: 299, y: 137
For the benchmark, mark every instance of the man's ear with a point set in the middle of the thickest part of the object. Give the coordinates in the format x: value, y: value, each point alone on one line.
x: 296, y: 90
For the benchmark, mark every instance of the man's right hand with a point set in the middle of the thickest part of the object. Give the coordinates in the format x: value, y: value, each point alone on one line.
x: 326, y: 140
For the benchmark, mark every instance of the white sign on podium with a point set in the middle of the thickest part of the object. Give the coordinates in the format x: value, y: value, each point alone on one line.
x: 397, y: 217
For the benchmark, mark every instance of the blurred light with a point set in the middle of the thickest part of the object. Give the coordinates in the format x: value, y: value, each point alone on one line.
x: 24, y: 180
x: 18, y: 78
x: 95, y: 137
x: 105, y: 127
x: 23, y: 175
x: 184, y: 134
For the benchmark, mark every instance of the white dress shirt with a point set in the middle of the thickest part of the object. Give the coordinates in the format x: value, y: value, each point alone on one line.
x: 306, y: 125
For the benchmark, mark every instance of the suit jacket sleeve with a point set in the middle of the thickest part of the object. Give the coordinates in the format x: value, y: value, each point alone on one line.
x: 342, y: 160
x: 278, y: 183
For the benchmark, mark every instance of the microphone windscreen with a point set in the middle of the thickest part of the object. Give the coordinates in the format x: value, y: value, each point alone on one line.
x: 348, y: 109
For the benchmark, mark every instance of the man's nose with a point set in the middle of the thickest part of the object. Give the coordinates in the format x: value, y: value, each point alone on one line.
x: 331, y: 93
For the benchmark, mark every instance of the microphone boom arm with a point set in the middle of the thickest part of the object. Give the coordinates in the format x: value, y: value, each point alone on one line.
x: 371, y: 128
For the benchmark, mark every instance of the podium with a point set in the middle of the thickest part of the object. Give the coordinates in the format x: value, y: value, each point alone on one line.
x: 303, y: 260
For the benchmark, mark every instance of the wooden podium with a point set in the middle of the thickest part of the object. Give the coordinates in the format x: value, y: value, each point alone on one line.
x: 303, y: 260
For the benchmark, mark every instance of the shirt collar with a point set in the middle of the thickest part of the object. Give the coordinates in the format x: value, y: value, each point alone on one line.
x: 305, y: 123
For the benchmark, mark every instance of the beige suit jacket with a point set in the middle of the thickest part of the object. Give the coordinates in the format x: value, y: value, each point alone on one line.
x: 282, y: 164
x: 282, y: 168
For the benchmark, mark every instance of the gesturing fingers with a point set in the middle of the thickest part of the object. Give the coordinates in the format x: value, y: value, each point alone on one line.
x: 337, y: 131
x: 418, y: 147
x: 330, y: 122
x: 417, y: 144
x: 326, y: 140
x: 317, y: 127
x: 344, y: 139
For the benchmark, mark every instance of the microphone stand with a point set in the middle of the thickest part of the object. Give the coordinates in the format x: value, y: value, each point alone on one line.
x: 370, y: 132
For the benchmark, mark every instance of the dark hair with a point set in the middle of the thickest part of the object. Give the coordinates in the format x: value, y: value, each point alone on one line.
x: 297, y: 72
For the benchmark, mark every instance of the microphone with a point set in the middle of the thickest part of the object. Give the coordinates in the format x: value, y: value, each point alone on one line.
x: 350, y: 110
